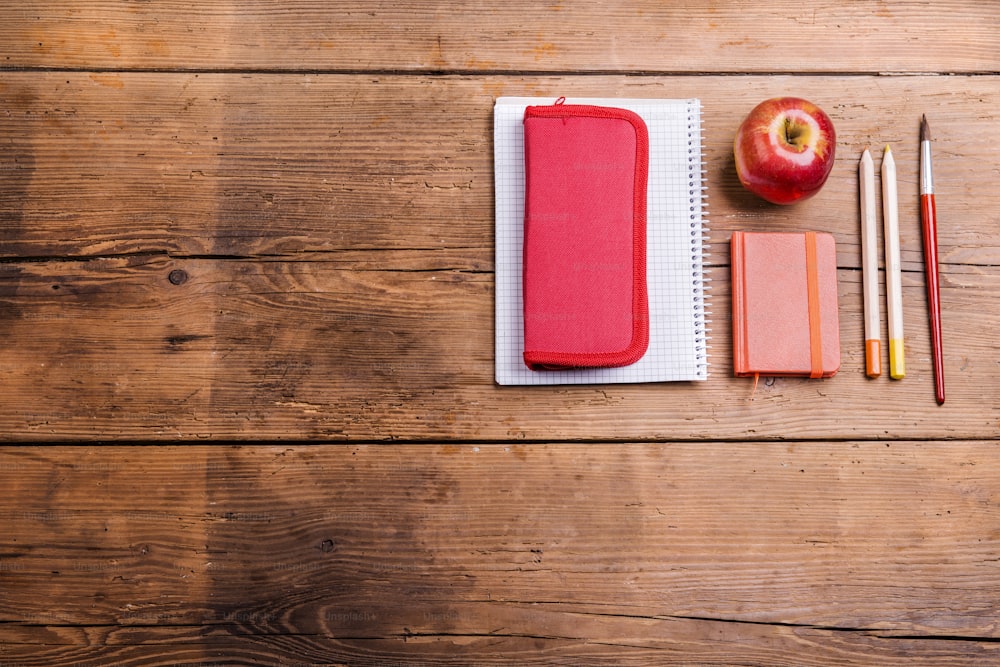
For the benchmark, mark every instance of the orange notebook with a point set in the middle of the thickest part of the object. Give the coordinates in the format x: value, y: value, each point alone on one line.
x: 785, y: 304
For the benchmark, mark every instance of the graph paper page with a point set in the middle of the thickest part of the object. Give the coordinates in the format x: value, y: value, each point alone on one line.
x: 674, y: 238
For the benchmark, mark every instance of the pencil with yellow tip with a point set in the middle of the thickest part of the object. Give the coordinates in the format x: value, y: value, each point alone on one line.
x: 893, y: 275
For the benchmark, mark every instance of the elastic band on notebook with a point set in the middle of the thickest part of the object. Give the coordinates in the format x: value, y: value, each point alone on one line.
x: 815, y: 329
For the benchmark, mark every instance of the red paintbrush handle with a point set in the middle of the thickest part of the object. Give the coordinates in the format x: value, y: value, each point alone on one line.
x: 929, y: 221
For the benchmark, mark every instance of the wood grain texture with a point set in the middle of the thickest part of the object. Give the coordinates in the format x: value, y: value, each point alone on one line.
x: 331, y: 241
x: 247, y: 165
x: 387, y: 346
x: 764, y: 553
x: 225, y: 223
x: 519, y: 35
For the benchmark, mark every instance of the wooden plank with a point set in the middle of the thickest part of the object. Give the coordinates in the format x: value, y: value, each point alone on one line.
x: 661, y: 641
x: 519, y: 35
x: 805, y: 553
x: 187, y: 164
x: 400, y: 346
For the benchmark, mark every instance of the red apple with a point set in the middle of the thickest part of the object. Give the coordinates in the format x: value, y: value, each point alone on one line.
x: 784, y: 149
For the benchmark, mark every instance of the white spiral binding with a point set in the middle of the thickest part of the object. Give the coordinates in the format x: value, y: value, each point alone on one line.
x: 698, y: 214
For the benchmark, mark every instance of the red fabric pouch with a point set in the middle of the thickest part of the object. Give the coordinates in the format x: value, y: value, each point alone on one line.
x: 584, y: 288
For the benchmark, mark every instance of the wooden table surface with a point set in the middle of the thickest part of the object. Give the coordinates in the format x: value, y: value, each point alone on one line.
x: 246, y: 289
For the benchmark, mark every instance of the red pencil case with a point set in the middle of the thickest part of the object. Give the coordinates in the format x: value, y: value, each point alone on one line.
x: 584, y: 272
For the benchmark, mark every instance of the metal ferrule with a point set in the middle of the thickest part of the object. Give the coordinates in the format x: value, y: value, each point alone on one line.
x: 926, y: 174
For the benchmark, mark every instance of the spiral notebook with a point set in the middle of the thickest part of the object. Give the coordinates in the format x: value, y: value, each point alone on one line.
x: 675, y: 255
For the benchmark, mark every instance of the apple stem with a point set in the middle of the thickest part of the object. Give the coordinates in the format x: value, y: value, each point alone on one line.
x: 792, y: 132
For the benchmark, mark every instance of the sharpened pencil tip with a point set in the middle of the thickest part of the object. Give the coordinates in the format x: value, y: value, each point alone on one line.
x: 925, y: 130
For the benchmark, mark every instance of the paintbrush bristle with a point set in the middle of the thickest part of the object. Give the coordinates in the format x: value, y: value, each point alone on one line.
x: 925, y: 130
